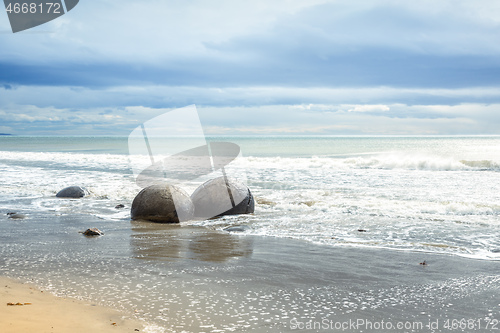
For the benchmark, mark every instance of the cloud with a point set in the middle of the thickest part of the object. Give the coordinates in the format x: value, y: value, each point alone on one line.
x: 284, y: 43
x: 271, y: 120
x: 317, y: 98
x: 285, y: 66
x: 148, y: 31
x: 368, y: 108
x: 406, y: 120
x: 30, y: 119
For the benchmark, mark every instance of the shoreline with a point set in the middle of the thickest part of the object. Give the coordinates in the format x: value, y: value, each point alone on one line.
x: 44, y: 312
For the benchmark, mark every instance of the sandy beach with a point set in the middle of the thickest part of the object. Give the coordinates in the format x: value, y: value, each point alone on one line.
x: 34, y: 310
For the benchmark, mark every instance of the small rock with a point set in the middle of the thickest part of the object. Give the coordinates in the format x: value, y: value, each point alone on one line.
x: 93, y: 232
x: 72, y: 192
x: 16, y: 216
x: 361, y: 230
x: 119, y: 206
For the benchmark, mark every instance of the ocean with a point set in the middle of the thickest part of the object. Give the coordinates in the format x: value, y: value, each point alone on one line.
x: 340, y: 227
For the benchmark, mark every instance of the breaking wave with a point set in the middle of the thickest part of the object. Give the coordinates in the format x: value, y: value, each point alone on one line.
x: 382, y: 161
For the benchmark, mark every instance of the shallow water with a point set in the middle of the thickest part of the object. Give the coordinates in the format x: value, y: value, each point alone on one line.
x: 423, y: 194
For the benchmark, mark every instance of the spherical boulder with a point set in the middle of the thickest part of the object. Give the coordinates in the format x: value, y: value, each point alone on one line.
x: 162, y: 203
x: 222, y: 196
x: 72, y: 192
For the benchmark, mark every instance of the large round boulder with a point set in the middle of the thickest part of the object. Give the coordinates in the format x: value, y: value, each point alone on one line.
x: 162, y: 203
x: 222, y: 196
x: 72, y: 192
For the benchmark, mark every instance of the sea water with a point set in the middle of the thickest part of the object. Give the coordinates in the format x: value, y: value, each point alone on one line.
x: 427, y: 195
x: 437, y: 194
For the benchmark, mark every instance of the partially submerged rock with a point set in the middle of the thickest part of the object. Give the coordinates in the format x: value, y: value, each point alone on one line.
x: 162, y: 203
x: 16, y: 216
x: 237, y: 228
x: 119, y: 206
x: 93, y: 232
x: 72, y: 192
x: 222, y: 196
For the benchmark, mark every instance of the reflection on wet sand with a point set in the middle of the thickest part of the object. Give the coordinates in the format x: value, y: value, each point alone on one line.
x: 156, y: 241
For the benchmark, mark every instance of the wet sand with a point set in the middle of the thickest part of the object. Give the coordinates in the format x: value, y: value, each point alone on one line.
x: 197, y: 279
x: 39, y: 311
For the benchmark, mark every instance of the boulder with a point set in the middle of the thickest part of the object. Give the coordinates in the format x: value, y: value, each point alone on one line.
x: 72, y: 192
x: 162, y: 203
x: 222, y: 196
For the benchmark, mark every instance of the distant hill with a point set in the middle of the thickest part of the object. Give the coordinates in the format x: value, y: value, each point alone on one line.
x: 5, y: 134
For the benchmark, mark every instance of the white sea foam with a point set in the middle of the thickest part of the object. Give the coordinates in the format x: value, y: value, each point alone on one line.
x: 388, y: 161
x: 405, y: 200
x: 380, y: 161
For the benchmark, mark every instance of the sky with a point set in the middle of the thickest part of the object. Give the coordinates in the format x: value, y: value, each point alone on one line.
x: 260, y: 67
